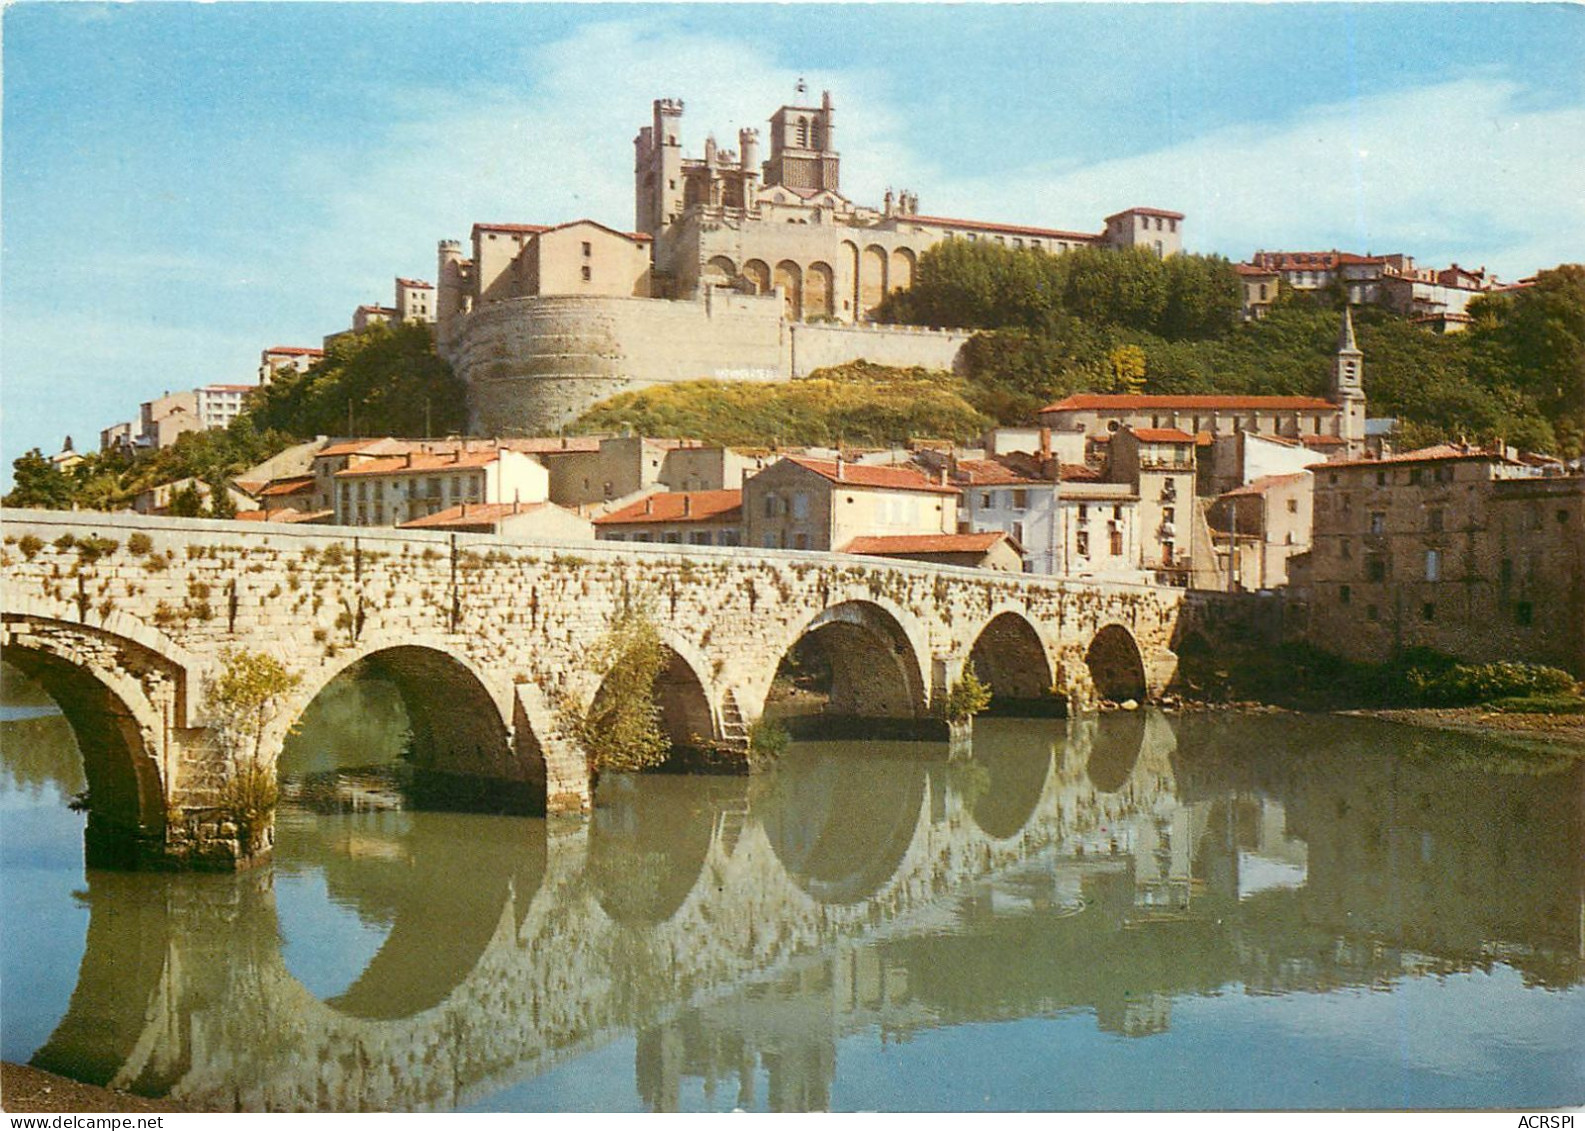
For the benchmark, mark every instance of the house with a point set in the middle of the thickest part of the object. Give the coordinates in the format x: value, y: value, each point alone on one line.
x: 1258, y: 527
x: 525, y: 521
x: 390, y: 490
x: 689, y: 518
x: 802, y: 503
x: 1158, y: 465
x: 992, y: 549
x: 1478, y: 554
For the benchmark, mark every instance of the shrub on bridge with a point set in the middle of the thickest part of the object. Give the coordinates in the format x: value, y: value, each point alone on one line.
x: 621, y: 731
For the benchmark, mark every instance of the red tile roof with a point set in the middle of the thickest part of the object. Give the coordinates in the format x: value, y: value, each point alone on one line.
x: 1267, y: 482
x: 1323, y: 441
x: 890, y: 544
x: 415, y: 284
x: 384, y: 445
x: 1251, y: 269
x: 988, y: 473
x: 679, y: 506
x: 287, y: 485
x: 1127, y: 401
x: 1080, y: 473
x: 297, y: 351
x: 868, y: 475
x: 1007, y: 229
x: 1419, y: 455
x: 517, y: 229
x: 426, y: 462
x: 470, y: 514
x: 1162, y: 212
x: 1162, y: 435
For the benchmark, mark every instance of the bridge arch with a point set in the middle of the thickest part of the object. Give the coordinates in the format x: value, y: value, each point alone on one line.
x: 461, y: 724
x: 102, y: 685
x: 1116, y: 665
x: 869, y: 654
x: 1009, y: 656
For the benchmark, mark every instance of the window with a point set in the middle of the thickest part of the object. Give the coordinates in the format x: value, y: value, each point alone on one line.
x: 1169, y: 514
x: 1344, y: 593
x: 801, y: 541
x: 1371, y: 613
x: 729, y: 538
x: 1020, y: 499
x: 615, y: 537
x: 1428, y: 611
x: 800, y: 505
x: 1293, y: 506
x: 1381, y: 478
x: 586, y: 274
x: 1524, y: 612
x: 1375, y: 568
x: 673, y: 537
x: 699, y: 538
x: 1433, y: 566
x: 641, y: 536
x: 1117, y: 543
x: 587, y: 249
x: 770, y: 505
x: 1084, y: 512
x: 1083, y: 544
x: 1378, y: 522
x: 1345, y: 548
x: 985, y: 500
x: 1416, y: 475
x: 1433, y: 520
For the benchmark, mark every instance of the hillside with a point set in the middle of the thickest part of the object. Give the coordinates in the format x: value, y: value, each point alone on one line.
x: 859, y: 403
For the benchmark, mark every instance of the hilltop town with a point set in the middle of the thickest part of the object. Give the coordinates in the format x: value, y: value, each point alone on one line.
x: 743, y: 267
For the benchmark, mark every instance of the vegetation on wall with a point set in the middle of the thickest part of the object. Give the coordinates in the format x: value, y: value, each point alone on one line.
x: 621, y: 731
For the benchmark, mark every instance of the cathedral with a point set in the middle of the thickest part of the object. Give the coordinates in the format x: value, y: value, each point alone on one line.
x: 732, y: 220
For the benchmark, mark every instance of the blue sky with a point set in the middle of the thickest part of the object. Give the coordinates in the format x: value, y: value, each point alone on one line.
x: 184, y: 185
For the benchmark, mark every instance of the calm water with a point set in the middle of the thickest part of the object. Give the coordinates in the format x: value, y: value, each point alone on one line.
x: 1137, y: 911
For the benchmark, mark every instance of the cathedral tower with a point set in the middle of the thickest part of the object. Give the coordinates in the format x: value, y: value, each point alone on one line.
x: 803, y: 150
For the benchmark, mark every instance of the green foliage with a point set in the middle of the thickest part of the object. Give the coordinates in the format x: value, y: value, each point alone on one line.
x: 221, y: 504
x: 621, y: 731
x: 1481, y: 683
x: 967, y: 698
x: 39, y: 483
x: 858, y: 403
x: 186, y: 502
x: 243, y: 698
x: 389, y: 375
x: 139, y: 544
x: 768, y: 739
x: 93, y: 547
x: 1540, y: 705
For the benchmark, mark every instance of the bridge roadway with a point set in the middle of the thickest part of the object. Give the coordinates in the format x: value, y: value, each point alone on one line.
x: 125, y: 619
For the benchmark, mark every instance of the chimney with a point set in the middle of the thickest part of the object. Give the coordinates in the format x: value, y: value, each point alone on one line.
x: 649, y: 505
x: 517, y: 501
x: 687, y: 505
x: 1045, y: 443
x: 464, y: 511
x: 409, y: 459
x: 943, y: 475
x: 841, y: 467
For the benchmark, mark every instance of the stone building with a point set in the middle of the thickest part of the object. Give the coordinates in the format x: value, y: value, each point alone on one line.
x: 1158, y: 464
x: 164, y: 418
x: 688, y: 518
x: 594, y: 471
x: 800, y: 503
x: 1256, y: 529
x: 1469, y: 552
x: 1392, y: 281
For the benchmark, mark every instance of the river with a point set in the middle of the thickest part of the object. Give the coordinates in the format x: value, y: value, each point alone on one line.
x: 1134, y: 911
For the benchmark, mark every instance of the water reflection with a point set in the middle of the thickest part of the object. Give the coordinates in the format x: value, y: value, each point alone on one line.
x: 754, y: 937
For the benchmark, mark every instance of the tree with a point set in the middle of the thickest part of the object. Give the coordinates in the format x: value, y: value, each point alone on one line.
x: 621, y: 730
x: 186, y: 501
x: 1127, y: 365
x: 220, y: 502
x: 967, y: 697
x: 244, y: 697
x: 39, y: 483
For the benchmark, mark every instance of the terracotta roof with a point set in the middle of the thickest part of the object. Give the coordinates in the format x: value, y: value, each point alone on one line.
x: 679, y: 506
x: 383, y: 445
x: 1419, y: 455
x: 470, y: 514
x: 297, y: 351
x: 988, y: 472
x: 285, y: 515
x: 519, y: 229
x: 1162, y: 435
x: 1126, y: 401
x: 226, y: 388
x: 1080, y: 473
x: 422, y: 462
x: 415, y: 284
x: 1323, y: 441
x: 640, y: 237
x: 1162, y: 212
x: 889, y: 544
x: 550, y: 445
x: 376, y: 308
x: 287, y: 485
x: 248, y: 516
x: 867, y: 475
x: 1267, y: 482
x: 250, y: 486
x: 1008, y: 229
x: 1251, y: 269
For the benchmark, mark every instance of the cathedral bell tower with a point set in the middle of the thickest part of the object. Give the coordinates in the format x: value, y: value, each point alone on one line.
x: 803, y: 147
x: 1348, y: 385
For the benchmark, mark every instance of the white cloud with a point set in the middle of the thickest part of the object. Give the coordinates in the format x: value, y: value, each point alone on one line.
x: 1460, y: 170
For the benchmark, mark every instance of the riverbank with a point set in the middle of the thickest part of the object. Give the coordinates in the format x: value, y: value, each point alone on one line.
x: 24, y: 1089
x: 1563, y: 731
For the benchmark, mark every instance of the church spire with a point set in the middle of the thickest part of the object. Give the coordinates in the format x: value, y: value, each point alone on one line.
x: 1345, y: 335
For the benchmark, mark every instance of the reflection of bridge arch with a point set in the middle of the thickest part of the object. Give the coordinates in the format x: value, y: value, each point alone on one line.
x: 117, y: 728
x: 876, y: 658
x: 647, y: 846
x: 1116, y: 665
x: 1010, y: 658
x: 839, y: 830
x: 1018, y: 765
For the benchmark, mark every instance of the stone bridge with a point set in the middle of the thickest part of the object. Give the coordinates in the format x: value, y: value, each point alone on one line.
x: 127, y: 619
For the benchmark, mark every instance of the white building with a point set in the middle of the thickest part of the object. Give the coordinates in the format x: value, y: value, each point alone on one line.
x: 396, y: 489
x: 218, y: 405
